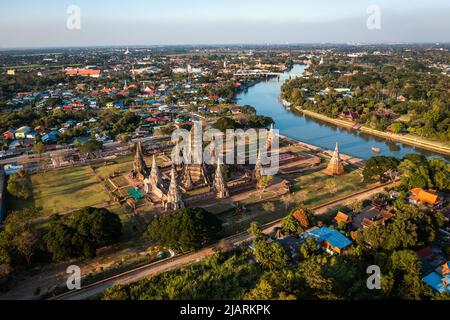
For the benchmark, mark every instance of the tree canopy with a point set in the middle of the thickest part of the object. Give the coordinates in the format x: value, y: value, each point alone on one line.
x: 184, y: 229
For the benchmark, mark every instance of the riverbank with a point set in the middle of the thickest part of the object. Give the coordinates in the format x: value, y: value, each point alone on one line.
x: 324, y: 132
x: 406, y: 139
x: 348, y: 159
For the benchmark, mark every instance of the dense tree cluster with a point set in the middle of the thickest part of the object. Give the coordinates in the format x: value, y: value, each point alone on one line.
x: 185, y: 229
x: 19, y: 185
x: 73, y: 236
x: 412, y: 228
x: 415, y: 170
x: 403, y: 96
x: 82, y: 233
x: 418, y: 172
x: 217, y: 277
x: 19, y: 240
x: 313, y: 274
x: 250, y: 121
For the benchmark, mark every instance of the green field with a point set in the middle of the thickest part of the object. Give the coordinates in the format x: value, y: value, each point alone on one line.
x: 59, y: 191
x: 123, y: 164
x: 315, y: 188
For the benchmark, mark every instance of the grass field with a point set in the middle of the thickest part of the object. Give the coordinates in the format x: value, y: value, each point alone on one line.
x: 123, y: 164
x: 309, y: 188
x: 315, y: 188
x: 64, y: 190
x: 126, y: 165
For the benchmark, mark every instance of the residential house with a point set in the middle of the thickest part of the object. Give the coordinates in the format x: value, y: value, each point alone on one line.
x: 349, y: 115
x: 344, y: 218
x: 10, y: 134
x: 382, y: 219
x: 330, y: 240
x: 51, y: 137
x: 439, y: 280
x: 21, y: 144
x: 22, y: 132
x: 214, y: 109
x: 84, y: 73
x: 235, y: 110
x: 420, y: 196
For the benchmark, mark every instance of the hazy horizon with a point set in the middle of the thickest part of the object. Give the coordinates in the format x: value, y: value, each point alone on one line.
x: 42, y: 24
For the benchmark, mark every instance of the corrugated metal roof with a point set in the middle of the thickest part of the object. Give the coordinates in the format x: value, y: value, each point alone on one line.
x: 333, y: 237
x: 434, y: 280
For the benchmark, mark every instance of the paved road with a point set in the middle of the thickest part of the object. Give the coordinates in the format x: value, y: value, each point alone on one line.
x: 98, y: 288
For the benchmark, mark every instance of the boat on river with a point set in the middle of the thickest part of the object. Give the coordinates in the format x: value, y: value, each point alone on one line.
x: 376, y: 150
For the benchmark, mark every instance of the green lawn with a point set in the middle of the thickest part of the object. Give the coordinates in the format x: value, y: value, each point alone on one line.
x: 315, y: 188
x: 106, y: 171
x: 64, y: 190
x: 123, y: 164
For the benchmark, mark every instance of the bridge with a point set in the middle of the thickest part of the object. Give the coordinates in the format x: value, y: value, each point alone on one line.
x: 263, y: 73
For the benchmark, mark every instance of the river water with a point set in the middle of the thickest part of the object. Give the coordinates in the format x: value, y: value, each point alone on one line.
x: 265, y: 98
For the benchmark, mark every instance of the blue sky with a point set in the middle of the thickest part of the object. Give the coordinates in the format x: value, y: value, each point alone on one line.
x: 27, y: 23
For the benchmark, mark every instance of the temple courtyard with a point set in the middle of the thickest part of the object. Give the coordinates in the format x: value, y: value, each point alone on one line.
x: 303, y: 179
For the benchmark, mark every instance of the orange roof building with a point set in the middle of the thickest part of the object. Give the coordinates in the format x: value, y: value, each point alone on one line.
x: 342, y: 217
x: 421, y: 196
x: 84, y: 72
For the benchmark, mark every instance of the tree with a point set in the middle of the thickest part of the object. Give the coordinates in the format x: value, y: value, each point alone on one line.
x: 218, y: 277
x: 90, y: 146
x: 100, y: 226
x: 291, y: 225
x: 80, y: 234
x: 39, y: 148
x: 124, y: 137
x: 276, y: 285
x: 20, y: 238
x: 380, y: 168
x: 26, y: 243
x: 64, y: 242
x: 397, y: 127
x: 356, y: 206
x: 318, y: 285
x: 270, y: 256
x: 255, y: 230
x: 440, y: 171
x: 308, y: 248
x: 264, y: 182
x: 415, y: 174
x: 405, y: 268
x: 19, y: 187
x: 6, y: 249
x: 184, y: 229
x: 225, y: 123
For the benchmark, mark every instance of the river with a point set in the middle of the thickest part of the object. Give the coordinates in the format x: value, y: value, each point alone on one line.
x: 265, y: 98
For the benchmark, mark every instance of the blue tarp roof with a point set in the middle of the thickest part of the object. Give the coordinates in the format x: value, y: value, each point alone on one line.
x: 51, y: 136
x: 434, y: 280
x: 333, y: 237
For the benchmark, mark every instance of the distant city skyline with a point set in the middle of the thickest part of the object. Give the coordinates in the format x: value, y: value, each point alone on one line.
x: 203, y: 22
